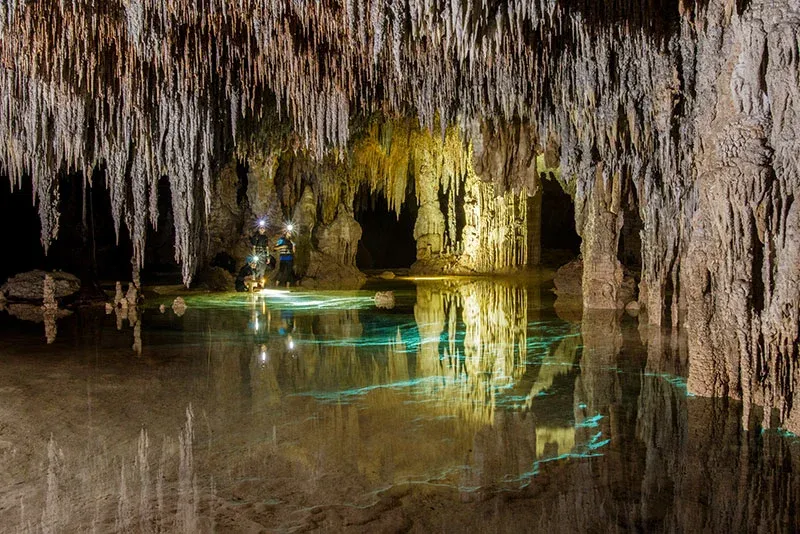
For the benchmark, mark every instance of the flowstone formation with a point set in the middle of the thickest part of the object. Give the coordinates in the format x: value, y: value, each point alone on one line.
x: 673, y: 119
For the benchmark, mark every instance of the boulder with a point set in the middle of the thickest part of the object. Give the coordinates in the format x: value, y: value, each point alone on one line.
x: 179, y: 306
x: 569, y: 279
x: 30, y: 285
x: 218, y: 279
x: 324, y: 272
x: 384, y: 299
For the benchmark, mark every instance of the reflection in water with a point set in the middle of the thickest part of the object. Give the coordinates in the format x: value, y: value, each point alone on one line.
x: 290, y: 411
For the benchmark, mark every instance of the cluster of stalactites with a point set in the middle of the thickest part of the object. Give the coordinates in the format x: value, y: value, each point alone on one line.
x: 395, y: 151
x: 143, y: 87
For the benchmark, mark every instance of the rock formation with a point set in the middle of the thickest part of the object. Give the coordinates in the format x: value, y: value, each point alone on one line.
x: 683, y: 113
x: 32, y: 285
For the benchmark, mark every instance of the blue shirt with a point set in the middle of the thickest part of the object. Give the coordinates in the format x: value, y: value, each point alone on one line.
x: 285, y: 249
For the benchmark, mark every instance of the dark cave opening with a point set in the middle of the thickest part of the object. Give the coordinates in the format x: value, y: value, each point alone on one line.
x: 387, y: 241
x: 160, y: 266
x: 560, y: 241
x: 19, y: 239
x: 86, y: 245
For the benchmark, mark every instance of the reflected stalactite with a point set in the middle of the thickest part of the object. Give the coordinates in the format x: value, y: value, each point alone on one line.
x: 597, y: 388
x: 492, y: 353
x: 125, y: 309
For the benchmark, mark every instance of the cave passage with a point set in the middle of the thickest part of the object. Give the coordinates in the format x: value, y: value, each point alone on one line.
x: 87, y: 244
x: 387, y: 242
x: 560, y: 241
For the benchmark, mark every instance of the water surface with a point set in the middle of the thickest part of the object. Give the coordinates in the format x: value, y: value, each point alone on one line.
x: 471, y: 406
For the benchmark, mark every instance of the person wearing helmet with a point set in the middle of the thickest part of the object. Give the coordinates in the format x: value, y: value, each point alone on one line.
x: 285, y: 247
x: 260, y: 243
x: 248, y: 277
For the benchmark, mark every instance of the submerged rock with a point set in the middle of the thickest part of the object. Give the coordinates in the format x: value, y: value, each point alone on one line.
x: 384, y: 299
x: 30, y: 285
x: 387, y: 275
x: 179, y: 306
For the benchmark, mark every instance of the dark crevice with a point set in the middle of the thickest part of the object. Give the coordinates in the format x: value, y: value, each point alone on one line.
x: 629, y: 250
x: 387, y: 242
x: 758, y: 265
x: 560, y: 241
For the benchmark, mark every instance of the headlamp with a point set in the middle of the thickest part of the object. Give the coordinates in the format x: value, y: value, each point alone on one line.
x: 290, y: 227
x: 262, y: 223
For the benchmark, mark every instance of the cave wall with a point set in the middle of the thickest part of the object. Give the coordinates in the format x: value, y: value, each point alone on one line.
x: 742, y: 269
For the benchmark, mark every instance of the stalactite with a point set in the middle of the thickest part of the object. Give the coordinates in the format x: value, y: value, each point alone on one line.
x: 152, y: 88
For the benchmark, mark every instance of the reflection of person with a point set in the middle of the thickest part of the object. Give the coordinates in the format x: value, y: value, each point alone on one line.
x: 287, y: 324
x: 248, y: 275
x: 285, y: 248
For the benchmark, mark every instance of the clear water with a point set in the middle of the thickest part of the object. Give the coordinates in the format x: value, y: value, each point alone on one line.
x: 471, y: 407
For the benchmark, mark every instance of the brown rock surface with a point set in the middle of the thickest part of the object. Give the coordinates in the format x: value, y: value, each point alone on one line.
x: 30, y: 285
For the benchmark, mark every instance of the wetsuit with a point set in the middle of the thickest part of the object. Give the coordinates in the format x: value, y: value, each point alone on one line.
x: 260, y: 243
x: 285, y: 248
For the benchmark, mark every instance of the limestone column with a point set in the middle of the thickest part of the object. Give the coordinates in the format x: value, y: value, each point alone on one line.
x: 602, y: 221
x: 429, y: 227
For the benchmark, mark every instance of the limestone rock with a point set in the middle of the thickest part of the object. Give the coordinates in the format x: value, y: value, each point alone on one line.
x: 569, y: 279
x: 218, y: 279
x: 304, y: 221
x: 387, y: 275
x: 441, y: 264
x: 326, y: 273
x: 49, y: 294
x: 179, y: 306
x: 384, y: 299
x: 30, y: 285
x: 340, y: 239
x: 632, y: 308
